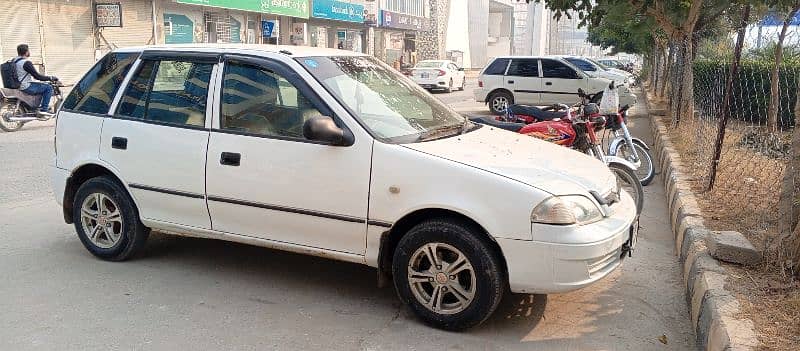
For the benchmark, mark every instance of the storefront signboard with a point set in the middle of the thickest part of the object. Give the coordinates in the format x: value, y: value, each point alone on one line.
x: 337, y: 10
x: 178, y: 29
x: 370, y: 11
x: 269, y: 29
x: 398, y: 20
x: 108, y: 15
x: 294, y: 8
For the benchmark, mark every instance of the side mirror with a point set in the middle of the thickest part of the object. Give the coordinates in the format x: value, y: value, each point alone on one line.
x: 325, y: 130
x: 461, y: 69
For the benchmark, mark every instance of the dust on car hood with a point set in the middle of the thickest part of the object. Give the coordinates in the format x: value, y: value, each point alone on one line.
x: 549, y: 167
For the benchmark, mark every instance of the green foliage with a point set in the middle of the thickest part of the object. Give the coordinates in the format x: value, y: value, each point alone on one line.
x: 750, y: 91
x: 767, y: 53
x: 622, y: 29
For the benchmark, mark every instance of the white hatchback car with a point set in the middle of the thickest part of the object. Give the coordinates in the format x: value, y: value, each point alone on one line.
x: 439, y: 74
x: 334, y: 154
x: 538, y: 81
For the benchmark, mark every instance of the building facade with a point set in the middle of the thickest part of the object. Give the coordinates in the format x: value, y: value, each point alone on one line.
x: 67, y: 47
x: 478, y: 30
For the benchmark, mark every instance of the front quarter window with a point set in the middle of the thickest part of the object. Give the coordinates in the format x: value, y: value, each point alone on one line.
x: 390, y: 106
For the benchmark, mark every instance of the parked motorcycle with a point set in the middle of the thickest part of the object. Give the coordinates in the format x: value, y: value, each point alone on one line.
x: 578, y: 131
x: 624, y: 145
x: 18, y: 108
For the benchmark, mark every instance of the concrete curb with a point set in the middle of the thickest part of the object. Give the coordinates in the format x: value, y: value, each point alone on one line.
x: 713, y: 309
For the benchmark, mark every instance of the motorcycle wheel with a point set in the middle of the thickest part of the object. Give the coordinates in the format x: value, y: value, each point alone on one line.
x: 630, y: 183
x: 7, y: 111
x: 646, y: 170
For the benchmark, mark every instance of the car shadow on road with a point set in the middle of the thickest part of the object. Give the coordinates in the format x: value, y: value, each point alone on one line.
x: 517, y: 313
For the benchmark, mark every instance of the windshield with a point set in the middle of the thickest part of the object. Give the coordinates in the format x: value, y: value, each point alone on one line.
x: 392, y: 107
x: 604, y: 67
x: 429, y: 64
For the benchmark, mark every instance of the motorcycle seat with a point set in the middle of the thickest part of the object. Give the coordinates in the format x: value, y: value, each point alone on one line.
x: 30, y: 101
x: 536, y: 112
x: 491, y: 121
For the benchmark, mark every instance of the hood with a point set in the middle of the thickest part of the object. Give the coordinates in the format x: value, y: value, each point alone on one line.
x: 546, y: 166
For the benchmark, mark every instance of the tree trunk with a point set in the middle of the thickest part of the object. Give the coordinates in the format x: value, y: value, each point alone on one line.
x: 667, y: 66
x: 656, y: 69
x: 686, y: 107
x: 774, y: 80
x: 726, y: 100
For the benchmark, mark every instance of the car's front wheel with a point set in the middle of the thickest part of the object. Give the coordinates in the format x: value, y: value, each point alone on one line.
x: 447, y: 275
x: 107, y: 221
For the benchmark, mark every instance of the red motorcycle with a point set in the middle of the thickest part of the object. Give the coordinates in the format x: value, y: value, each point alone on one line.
x: 577, y: 130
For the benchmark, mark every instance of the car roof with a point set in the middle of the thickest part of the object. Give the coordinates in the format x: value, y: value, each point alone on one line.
x: 293, y: 51
x: 529, y: 57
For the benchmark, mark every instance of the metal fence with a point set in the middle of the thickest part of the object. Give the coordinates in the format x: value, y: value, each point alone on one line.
x: 750, y: 193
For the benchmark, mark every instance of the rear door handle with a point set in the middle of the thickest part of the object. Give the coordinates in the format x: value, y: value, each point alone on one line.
x: 548, y: 83
x: 230, y: 159
x: 510, y: 82
x: 119, y: 143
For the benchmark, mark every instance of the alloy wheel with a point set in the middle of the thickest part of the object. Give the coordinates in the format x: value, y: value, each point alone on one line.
x: 101, y: 220
x: 500, y: 103
x: 441, y: 278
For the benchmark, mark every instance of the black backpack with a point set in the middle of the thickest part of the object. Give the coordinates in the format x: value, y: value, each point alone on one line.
x: 9, y: 72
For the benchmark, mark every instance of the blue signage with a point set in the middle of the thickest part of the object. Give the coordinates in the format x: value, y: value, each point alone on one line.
x: 337, y: 10
x: 402, y: 21
x: 774, y: 20
x: 266, y: 28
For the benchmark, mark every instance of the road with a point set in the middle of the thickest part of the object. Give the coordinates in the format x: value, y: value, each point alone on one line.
x: 197, y: 294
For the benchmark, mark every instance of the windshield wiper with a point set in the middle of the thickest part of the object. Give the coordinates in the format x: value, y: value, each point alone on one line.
x: 441, y: 131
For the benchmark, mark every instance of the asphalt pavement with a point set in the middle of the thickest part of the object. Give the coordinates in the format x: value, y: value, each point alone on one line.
x: 198, y: 294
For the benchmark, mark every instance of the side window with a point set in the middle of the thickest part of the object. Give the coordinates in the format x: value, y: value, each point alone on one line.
x: 171, y: 91
x: 555, y: 69
x: 94, y: 93
x: 524, y: 68
x: 453, y: 67
x: 584, y: 65
x: 258, y: 101
x: 497, y: 67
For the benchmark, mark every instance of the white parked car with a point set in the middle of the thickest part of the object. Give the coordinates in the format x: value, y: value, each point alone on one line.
x: 298, y: 149
x: 538, y: 81
x: 438, y: 75
x: 599, y: 70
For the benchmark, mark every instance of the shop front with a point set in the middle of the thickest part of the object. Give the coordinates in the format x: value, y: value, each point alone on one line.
x: 233, y: 21
x: 397, y: 38
x: 338, y: 24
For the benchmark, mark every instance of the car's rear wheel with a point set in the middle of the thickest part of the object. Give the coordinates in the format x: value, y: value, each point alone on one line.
x: 463, y: 84
x: 447, y: 275
x: 499, y: 101
x: 449, y: 88
x: 107, y: 220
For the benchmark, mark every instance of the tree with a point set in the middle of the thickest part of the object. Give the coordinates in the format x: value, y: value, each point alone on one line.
x: 793, y: 7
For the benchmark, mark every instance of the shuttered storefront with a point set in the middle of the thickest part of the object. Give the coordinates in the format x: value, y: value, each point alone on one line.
x: 69, y: 43
x: 137, y: 26
x: 20, y: 25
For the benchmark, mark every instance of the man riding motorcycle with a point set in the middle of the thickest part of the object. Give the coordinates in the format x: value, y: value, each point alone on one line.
x: 26, y: 71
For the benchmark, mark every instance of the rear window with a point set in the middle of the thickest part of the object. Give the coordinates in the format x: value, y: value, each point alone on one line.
x: 497, y: 67
x: 94, y: 93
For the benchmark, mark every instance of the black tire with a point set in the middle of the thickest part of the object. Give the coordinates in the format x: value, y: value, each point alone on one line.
x: 133, y: 233
x: 449, y: 88
x: 630, y: 182
x: 494, y: 106
x: 487, y: 273
x: 647, y: 169
x: 463, y: 84
x: 8, y: 126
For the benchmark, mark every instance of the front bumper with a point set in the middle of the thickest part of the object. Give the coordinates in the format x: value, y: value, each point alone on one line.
x: 572, y: 257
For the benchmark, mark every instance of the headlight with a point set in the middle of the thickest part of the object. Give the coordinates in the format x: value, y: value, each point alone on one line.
x: 572, y: 209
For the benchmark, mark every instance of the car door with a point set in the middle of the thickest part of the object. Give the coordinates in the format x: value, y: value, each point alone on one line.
x: 522, y: 78
x: 456, y: 74
x: 266, y: 180
x: 158, y: 136
x: 560, y: 82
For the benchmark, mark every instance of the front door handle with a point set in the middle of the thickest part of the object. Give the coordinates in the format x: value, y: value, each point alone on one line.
x: 119, y: 143
x: 548, y: 83
x: 230, y: 159
x: 510, y: 82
